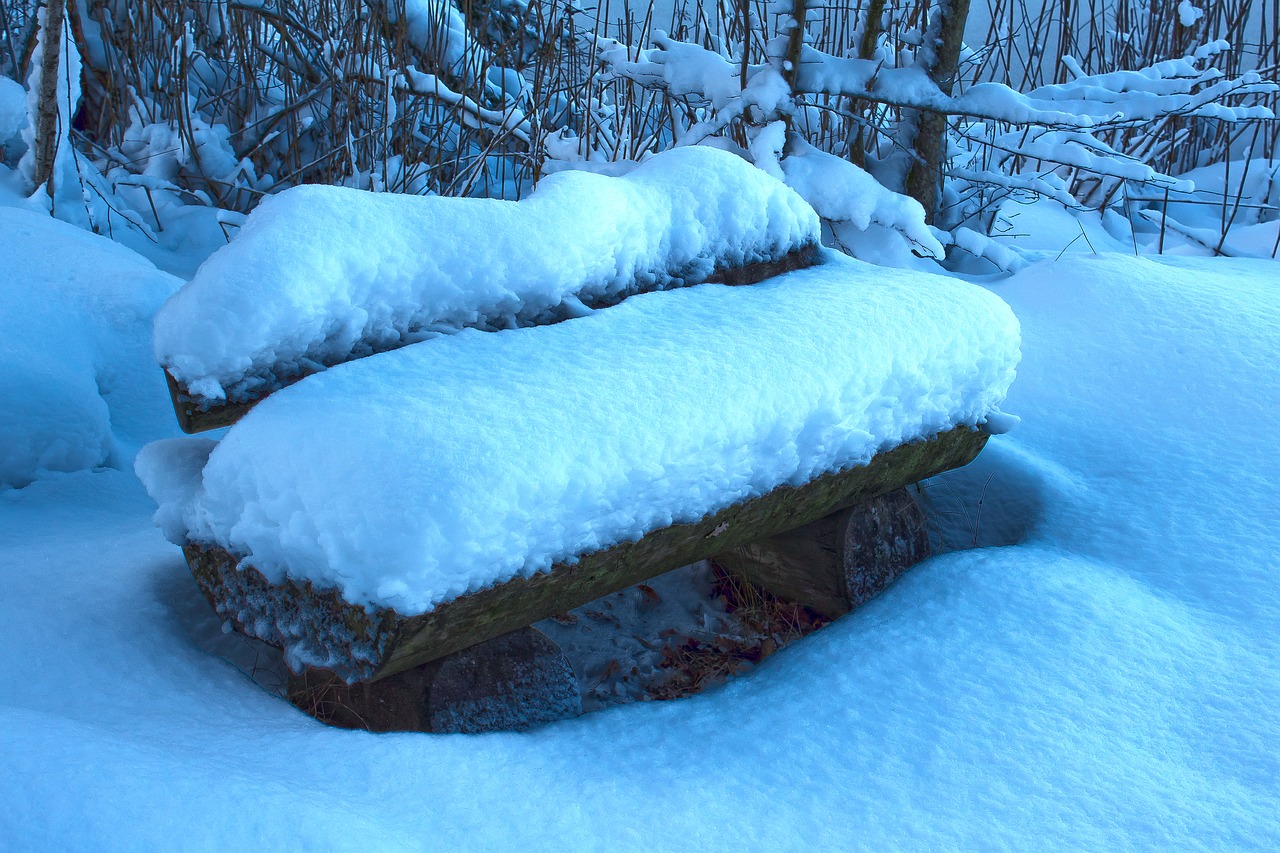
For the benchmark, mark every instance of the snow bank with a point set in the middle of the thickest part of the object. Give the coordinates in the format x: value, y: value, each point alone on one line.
x: 439, y: 469
x: 74, y: 362
x: 1240, y: 198
x: 319, y: 274
x: 13, y: 115
x: 1109, y: 681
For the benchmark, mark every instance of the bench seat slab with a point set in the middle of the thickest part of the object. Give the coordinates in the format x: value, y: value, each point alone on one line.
x: 368, y: 644
x: 195, y: 417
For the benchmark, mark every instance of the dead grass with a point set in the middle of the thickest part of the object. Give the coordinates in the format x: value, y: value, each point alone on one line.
x: 325, y: 697
x: 761, y: 625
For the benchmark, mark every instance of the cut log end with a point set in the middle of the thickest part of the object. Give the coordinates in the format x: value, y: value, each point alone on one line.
x: 194, y: 417
x: 838, y: 562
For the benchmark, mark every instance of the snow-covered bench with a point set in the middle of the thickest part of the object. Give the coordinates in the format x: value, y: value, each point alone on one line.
x: 322, y: 275
x: 394, y: 510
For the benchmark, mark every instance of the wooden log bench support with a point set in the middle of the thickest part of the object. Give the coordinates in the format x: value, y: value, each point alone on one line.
x: 840, y: 561
x: 509, y: 683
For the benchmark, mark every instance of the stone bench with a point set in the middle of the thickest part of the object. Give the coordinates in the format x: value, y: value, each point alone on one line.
x: 322, y: 275
x: 830, y: 545
x: 469, y: 660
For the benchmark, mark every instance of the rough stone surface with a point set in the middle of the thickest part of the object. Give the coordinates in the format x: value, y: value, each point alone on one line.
x: 514, y: 682
x: 510, y: 683
x: 367, y: 645
x: 882, y: 539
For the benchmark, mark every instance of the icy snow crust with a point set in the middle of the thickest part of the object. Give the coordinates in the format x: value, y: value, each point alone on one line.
x: 442, y: 468
x: 319, y: 274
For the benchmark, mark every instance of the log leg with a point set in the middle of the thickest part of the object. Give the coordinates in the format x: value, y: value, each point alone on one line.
x: 840, y: 561
x: 512, y: 682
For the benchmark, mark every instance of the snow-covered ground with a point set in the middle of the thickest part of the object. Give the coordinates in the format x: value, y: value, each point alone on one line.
x: 1102, y: 673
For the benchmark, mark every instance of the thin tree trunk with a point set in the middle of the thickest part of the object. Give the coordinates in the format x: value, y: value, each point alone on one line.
x: 47, y: 130
x: 940, y: 59
x: 27, y: 39
x: 795, y: 45
x: 871, y: 29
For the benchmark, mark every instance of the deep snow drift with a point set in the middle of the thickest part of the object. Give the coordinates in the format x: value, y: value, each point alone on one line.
x: 1109, y: 682
x: 318, y: 274
x: 76, y: 389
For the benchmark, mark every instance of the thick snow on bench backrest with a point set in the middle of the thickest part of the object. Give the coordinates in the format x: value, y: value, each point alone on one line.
x: 438, y: 469
x: 320, y: 274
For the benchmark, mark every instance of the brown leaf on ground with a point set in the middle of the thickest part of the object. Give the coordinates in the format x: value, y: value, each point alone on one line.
x: 649, y: 592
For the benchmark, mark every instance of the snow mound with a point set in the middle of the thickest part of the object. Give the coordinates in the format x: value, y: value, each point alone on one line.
x: 319, y: 274
x: 438, y: 469
x: 75, y: 373
x: 13, y: 114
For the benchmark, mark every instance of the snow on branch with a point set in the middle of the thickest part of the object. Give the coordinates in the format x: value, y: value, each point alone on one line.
x: 1046, y: 185
x: 981, y: 246
x: 510, y: 121
x: 438, y: 30
x: 1082, y: 150
x: 841, y: 192
x: 702, y: 77
x: 1089, y: 102
x: 1174, y: 87
x: 679, y: 68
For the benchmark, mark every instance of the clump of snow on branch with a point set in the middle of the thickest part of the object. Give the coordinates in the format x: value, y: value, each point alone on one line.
x: 438, y: 29
x: 1189, y: 14
x: 1186, y: 87
x: 842, y: 193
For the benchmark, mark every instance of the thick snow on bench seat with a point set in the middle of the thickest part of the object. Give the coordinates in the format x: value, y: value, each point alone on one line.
x: 416, y: 476
x: 319, y: 274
